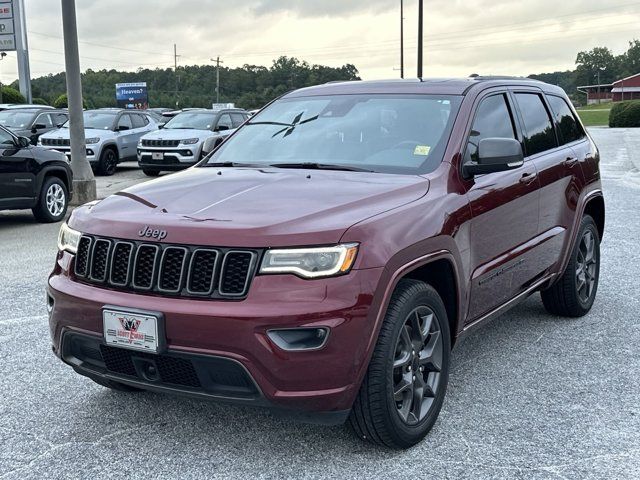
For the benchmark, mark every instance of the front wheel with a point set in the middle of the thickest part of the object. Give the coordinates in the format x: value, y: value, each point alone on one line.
x: 52, y: 201
x: 404, y: 387
x: 108, y: 162
x: 574, y: 293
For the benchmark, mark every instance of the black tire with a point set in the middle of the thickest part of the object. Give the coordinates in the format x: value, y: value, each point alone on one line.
x: 108, y: 162
x: 574, y: 293
x: 53, y: 201
x: 120, y: 387
x: 150, y: 173
x: 378, y: 415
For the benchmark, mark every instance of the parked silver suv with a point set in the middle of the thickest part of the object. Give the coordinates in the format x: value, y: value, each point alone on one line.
x: 111, y: 135
x: 183, y: 139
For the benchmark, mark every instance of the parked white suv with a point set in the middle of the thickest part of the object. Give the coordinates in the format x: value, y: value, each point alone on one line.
x: 179, y: 144
x: 111, y: 135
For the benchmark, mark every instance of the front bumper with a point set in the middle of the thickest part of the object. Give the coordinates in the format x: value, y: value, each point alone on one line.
x: 320, y: 382
x: 176, y: 158
x: 91, y: 152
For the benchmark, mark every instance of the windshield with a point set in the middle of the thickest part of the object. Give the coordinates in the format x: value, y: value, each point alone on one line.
x: 197, y: 121
x: 97, y: 120
x: 16, y: 119
x: 383, y: 133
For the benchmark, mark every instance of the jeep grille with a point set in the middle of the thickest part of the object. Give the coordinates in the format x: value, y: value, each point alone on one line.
x: 177, y: 270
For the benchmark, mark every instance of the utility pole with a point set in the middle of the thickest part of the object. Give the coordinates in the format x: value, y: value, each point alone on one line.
x: 218, y: 62
x: 401, y: 38
x: 2, y: 55
x: 175, y: 71
x: 22, y: 50
x: 420, y: 12
x: 84, y: 184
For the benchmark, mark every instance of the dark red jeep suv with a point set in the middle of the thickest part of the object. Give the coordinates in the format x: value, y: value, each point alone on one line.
x: 326, y: 257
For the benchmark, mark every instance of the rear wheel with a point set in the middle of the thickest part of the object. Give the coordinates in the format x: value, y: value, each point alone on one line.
x: 574, y: 293
x: 52, y: 201
x: 404, y: 387
x: 150, y: 173
x: 108, y: 162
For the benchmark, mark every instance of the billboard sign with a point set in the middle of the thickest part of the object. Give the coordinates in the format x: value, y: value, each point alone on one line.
x: 7, y: 27
x: 132, y: 95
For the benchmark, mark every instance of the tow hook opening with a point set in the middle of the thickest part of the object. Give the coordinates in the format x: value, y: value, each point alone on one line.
x: 299, y: 339
x: 147, y: 369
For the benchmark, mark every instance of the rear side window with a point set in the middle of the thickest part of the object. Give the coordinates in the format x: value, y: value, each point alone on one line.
x: 568, y: 127
x: 138, y: 122
x: 59, y: 119
x: 538, y: 129
x: 493, y: 120
x: 237, y: 119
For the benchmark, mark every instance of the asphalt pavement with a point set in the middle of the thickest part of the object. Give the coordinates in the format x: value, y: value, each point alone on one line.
x: 530, y: 395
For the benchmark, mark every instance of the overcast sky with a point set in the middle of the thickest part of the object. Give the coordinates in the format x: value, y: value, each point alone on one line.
x: 461, y: 36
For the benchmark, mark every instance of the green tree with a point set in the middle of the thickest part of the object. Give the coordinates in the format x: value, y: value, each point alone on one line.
x: 11, y: 95
x: 598, y: 60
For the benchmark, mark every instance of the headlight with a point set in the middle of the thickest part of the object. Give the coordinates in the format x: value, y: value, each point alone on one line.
x: 311, y: 262
x: 190, y: 141
x: 91, y: 141
x: 68, y: 239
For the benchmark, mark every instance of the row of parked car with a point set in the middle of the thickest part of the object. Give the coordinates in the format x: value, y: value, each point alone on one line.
x: 35, y: 148
x: 158, y: 142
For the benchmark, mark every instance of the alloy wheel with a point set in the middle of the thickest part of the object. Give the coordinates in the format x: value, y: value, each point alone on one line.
x: 417, y: 365
x: 55, y: 198
x: 586, y: 266
x: 110, y: 162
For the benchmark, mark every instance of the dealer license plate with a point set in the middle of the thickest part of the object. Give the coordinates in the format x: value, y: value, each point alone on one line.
x: 138, y: 331
x: 157, y: 155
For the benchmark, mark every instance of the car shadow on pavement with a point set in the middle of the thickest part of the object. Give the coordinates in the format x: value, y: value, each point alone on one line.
x: 230, y: 428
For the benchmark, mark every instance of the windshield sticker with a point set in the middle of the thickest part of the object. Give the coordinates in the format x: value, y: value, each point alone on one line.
x: 422, y: 150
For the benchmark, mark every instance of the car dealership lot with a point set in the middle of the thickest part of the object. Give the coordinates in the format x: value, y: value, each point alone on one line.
x: 529, y: 396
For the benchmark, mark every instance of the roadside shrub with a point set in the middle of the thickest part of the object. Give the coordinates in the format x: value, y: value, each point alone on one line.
x: 11, y: 95
x: 40, y: 101
x: 62, y: 102
x: 625, y: 114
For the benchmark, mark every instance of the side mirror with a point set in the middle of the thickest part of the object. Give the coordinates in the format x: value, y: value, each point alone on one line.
x: 495, y: 155
x: 24, y: 142
x: 161, y: 125
x: 122, y: 128
x: 39, y: 126
x: 221, y: 128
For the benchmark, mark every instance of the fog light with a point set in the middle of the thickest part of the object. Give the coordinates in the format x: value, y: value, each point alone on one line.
x: 297, y: 339
x: 89, y: 152
x: 50, y: 302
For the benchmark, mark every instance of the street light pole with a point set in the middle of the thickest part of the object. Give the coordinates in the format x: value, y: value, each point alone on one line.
x: 218, y: 62
x: 401, y: 38
x: 420, y: 13
x: 84, y: 183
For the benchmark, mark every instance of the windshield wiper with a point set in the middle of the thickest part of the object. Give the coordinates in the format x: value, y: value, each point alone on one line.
x: 235, y: 164
x: 320, y: 166
x: 288, y: 127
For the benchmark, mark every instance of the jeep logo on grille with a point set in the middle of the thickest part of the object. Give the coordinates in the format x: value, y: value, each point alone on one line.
x: 149, y: 232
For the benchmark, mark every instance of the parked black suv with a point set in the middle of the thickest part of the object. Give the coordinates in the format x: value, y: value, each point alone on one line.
x: 33, y: 177
x: 32, y: 122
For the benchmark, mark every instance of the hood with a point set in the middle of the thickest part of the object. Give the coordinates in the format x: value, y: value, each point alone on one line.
x: 65, y: 133
x: 178, y: 134
x: 250, y: 207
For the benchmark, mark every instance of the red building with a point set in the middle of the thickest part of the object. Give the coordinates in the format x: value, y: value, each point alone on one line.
x: 627, y: 88
x: 620, y: 90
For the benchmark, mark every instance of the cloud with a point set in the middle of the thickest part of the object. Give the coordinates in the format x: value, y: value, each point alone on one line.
x: 487, y: 36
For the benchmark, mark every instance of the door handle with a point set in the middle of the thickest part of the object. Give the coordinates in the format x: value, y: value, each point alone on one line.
x: 527, y: 178
x: 570, y: 161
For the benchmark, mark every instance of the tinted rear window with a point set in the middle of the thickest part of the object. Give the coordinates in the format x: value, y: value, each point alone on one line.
x: 569, y: 128
x: 539, y: 134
